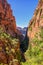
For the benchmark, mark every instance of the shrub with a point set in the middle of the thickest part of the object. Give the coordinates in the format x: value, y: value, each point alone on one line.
x: 34, y: 54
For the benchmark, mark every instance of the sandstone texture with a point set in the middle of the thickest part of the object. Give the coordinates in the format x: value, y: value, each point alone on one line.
x: 37, y: 20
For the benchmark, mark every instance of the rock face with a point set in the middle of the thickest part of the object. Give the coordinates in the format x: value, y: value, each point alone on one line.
x: 10, y: 52
x: 7, y: 20
x: 34, y: 53
x: 37, y: 20
x: 22, y: 30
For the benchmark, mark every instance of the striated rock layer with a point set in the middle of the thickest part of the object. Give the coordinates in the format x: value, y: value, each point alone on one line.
x: 10, y: 52
x: 37, y: 20
x: 34, y: 54
x: 7, y: 20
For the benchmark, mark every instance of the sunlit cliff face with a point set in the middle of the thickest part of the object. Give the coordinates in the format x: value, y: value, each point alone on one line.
x: 37, y: 20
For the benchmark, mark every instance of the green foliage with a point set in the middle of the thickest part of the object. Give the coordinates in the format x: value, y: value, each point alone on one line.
x: 34, y: 54
x: 42, y: 16
x: 11, y: 45
x: 30, y: 29
x: 41, y: 33
x: 18, y: 54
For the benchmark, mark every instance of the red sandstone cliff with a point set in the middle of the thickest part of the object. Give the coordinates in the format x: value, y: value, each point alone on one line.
x: 37, y: 20
x: 7, y: 20
x: 8, y: 23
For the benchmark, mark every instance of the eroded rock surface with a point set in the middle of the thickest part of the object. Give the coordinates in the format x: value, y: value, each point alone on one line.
x: 37, y: 20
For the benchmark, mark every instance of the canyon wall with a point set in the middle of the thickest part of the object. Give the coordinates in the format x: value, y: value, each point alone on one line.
x: 37, y: 20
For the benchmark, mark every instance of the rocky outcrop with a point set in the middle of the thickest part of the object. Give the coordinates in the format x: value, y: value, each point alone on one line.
x: 34, y: 53
x: 7, y: 20
x: 22, y: 30
x: 10, y: 52
x: 37, y: 20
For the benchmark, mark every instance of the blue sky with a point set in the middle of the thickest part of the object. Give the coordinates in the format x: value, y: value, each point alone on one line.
x: 23, y: 10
